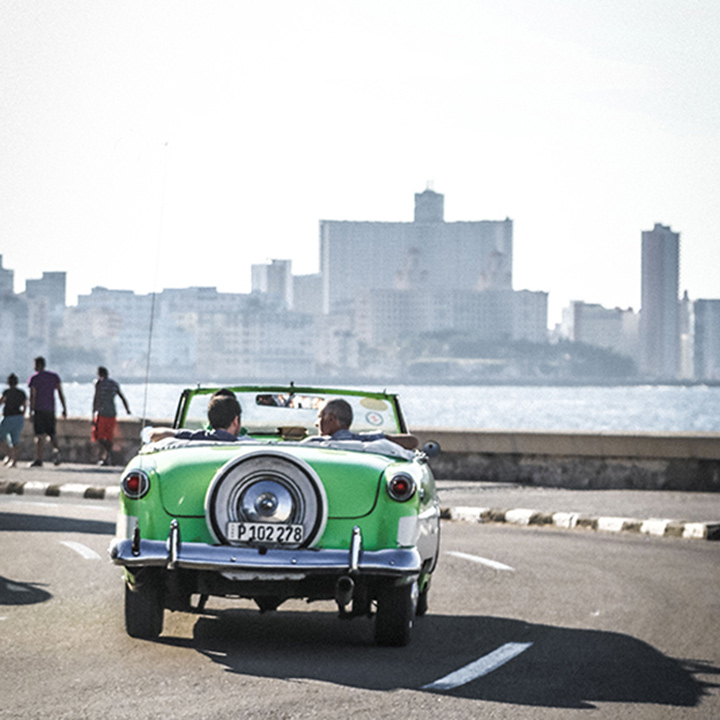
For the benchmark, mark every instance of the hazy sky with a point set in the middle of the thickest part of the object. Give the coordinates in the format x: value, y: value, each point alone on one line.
x: 147, y: 144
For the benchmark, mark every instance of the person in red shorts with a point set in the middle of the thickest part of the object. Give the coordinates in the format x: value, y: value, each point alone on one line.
x: 105, y: 415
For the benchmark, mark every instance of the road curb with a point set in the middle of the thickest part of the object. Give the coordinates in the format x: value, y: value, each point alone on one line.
x: 65, y: 490
x: 657, y: 527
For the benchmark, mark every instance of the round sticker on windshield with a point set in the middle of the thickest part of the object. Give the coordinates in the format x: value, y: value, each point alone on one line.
x: 374, y: 418
x: 374, y: 404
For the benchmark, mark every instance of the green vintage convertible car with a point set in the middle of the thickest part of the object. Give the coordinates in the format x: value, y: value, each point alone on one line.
x: 281, y: 513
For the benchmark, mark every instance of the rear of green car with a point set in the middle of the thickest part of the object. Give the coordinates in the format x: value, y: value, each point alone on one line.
x: 275, y: 520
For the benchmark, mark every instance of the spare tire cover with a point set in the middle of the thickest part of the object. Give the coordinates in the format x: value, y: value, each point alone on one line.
x: 267, y: 486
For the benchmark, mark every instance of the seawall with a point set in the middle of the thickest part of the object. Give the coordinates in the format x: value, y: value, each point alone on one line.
x: 593, y: 461
x: 579, y: 460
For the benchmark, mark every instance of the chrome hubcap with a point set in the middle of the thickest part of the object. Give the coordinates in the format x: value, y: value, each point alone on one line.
x: 266, y: 501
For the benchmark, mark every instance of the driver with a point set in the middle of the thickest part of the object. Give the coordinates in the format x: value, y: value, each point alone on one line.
x: 334, y: 421
x: 224, y: 414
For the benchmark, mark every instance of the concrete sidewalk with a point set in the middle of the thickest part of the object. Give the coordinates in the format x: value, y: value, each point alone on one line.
x: 661, y: 513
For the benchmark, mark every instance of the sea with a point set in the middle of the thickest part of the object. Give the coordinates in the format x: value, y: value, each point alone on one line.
x: 635, y: 408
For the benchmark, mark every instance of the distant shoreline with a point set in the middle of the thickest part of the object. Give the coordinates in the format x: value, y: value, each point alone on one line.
x: 391, y: 382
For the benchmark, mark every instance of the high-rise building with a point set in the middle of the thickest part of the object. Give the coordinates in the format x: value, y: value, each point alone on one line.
x: 611, y: 328
x: 50, y: 286
x: 307, y: 293
x: 660, y: 317
x: 15, y: 350
x: 707, y: 339
x: 275, y: 279
x: 687, y: 332
x: 426, y: 254
x: 46, y: 304
x: 6, y: 280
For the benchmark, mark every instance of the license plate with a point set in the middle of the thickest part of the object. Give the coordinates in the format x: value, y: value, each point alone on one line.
x: 264, y: 532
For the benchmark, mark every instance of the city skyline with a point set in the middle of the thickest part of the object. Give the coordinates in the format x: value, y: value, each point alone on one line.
x: 553, y: 323
x: 403, y: 308
x: 218, y: 137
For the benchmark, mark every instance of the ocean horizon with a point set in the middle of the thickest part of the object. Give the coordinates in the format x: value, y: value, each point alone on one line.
x: 582, y: 408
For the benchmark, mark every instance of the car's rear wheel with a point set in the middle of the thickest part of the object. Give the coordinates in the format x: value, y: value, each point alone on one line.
x: 422, y: 603
x: 395, y: 613
x: 271, y: 493
x: 144, y: 608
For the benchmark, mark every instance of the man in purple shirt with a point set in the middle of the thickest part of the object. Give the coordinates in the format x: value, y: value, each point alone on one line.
x: 43, y: 385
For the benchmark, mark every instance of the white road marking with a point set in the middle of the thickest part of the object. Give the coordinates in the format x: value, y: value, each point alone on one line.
x: 480, y: 667
x: 35, y: 503
x: 17, y: 500
x: 483, y: 561
x: 81, y: 549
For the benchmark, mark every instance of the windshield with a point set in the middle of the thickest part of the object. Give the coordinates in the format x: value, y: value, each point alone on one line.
x: 277, y: 411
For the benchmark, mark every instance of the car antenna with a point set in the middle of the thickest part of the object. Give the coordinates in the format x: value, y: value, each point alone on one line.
x: 155, y: 283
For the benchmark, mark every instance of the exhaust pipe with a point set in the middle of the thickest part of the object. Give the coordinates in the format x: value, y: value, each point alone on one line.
x: 344, y: 589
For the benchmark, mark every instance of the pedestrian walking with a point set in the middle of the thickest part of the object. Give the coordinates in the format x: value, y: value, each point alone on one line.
x: 43, y: 386
x: 14, y: 402
x: 105, y: 415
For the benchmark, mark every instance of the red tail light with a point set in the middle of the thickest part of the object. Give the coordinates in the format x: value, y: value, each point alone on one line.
x: 135, y: 484
x: 401, y: 487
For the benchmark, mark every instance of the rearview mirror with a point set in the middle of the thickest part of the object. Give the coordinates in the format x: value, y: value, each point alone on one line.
x: 290, y: 400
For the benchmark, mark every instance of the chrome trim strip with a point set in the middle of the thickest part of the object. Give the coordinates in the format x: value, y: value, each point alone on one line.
x: 355, y: 549
x: 199, y: 556
x: 173, y: 545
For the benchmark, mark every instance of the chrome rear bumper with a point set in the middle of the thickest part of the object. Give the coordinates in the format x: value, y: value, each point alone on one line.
x: 173, y: 554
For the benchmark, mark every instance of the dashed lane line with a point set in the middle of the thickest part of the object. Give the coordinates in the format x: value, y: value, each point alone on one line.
x: 81, y: 549
x: 480, y: 667
x: 483, y: 561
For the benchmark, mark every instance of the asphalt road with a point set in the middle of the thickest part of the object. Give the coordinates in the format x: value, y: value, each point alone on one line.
x: 540, y: 623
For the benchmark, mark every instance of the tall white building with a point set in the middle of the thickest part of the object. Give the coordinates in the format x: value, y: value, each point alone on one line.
x: 660, y: 317
x: 275, y: 279
x: 15, y: 350
x: 707, y: 339
x: 7, y: 280
x: 426, y: 254
x: 307, y: 293
x: 611, y: 328
x: 687, y: 335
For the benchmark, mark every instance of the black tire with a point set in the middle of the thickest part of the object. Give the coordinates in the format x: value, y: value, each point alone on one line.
x: 395, y: 615
x: 144, y: 609
x: 422, y: 603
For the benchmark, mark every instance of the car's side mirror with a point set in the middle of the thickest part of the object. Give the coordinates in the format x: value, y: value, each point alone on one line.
x: 431, y: 449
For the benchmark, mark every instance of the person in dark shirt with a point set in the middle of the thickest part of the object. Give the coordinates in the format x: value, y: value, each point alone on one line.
x: 104, y: 413
x: 224, y: 413
x: 13, y: 401
x: 43, y: 386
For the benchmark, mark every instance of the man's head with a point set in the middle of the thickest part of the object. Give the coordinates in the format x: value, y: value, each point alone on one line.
x: 333, y: 416
x: 39, y: 363
x: 224, y: 412
x: 12, y: 380
x: 102, y: 372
